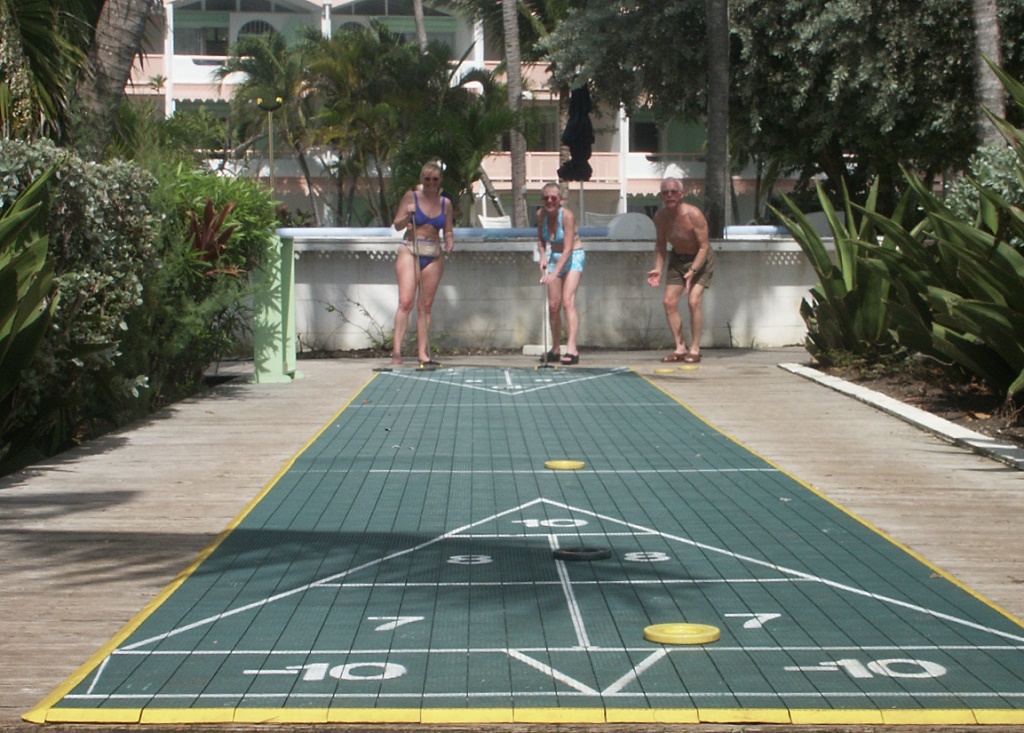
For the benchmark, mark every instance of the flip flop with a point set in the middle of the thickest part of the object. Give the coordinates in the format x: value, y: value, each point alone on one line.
x: 674, y: 357
x: 691, y: 358
x: 549, y: 357
x: 570, y: 359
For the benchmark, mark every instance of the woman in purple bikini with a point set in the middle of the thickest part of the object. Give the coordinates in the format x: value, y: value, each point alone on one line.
x: 426, y: 216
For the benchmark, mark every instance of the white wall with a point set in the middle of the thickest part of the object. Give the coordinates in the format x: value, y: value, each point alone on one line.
x: 345, y: 293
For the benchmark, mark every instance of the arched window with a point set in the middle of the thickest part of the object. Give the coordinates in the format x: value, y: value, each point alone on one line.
x: 254, y: 28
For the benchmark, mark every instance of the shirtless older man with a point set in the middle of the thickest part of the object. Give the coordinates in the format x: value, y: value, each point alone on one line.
x: 691, y: 263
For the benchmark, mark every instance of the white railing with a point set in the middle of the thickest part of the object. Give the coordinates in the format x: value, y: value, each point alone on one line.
x: 345, y: 292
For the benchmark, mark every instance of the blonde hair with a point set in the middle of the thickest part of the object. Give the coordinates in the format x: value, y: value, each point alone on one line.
x: 552, y: 186
x: 430, y: 166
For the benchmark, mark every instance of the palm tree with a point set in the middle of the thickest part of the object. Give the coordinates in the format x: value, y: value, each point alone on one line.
x: 716, y: 179
x: 56, y: 51
x: 531, y: 21
x: 42, y: 44
x: 989, y: 91
x: 421, y: 28
x: 370, y: 84
x: 273, y: 70
x: 100, y: 86
x: 517, y: 145
x: 459, y: 132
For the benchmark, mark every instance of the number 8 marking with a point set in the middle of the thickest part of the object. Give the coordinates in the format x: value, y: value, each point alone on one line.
x: 646, y: 557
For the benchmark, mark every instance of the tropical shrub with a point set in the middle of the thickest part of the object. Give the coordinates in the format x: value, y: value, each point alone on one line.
x: 997, y: 167
x: 28, y: 294
x: 958, y: 290
x: 847, y: 312
x: 195, y: 308
x: 147, y: 302
x: 100, y: 242
x: 949, y: 286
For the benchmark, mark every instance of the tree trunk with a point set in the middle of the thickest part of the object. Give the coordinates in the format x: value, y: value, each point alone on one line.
x: 716, y: 177
x: 307, y: 174
x: 988, y: 91
x: 421, y: 28
x: 491, y: 193
x: 514, y: 68
x: 100, y: 86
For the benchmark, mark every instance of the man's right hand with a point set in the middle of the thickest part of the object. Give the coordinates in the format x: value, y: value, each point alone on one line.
x: 653, y: 278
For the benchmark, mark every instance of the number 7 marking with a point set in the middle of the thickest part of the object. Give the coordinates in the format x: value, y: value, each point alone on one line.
x: 757, y: 620
x: 393, y: 622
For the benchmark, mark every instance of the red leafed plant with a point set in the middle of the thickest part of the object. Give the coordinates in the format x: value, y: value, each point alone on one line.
x: 210, y: 237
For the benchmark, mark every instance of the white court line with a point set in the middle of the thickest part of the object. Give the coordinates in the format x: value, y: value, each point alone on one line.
x: 468, y: 651
x: 804, y: 694
x: 534, y: 583
x: 567, y: 507
x: 96, y: 677
x: 793, y: 572
x: 582, y: 639
x: 501, y: 391
x: 633, y: 526
x: 615, y: 689
x: 303, y: 588
x: 552, y: 672
x: 634, y: 674
x: 531, y: 471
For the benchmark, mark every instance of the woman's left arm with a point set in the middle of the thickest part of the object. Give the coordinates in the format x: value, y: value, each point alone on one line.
x: 568, y: 233
x: 449, y: 234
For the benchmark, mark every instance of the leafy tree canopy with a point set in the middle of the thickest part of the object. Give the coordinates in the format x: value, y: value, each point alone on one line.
x: 845, y: 88
x: 42, y: 44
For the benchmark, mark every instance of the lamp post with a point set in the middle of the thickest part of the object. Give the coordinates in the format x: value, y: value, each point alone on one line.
x: 270, y: 107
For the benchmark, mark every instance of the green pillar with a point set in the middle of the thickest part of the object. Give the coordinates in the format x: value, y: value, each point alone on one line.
x: 273, y: 335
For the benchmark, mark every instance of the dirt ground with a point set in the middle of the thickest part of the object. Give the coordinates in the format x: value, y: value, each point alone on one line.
x: 971, y: 406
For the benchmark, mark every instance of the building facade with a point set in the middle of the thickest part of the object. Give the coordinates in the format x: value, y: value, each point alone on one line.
x: 191, y: 40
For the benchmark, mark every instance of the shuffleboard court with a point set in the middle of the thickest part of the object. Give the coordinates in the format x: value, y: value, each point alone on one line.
x: 418, y: 562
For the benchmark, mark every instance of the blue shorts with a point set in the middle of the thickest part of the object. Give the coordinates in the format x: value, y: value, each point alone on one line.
x: 577, y: 258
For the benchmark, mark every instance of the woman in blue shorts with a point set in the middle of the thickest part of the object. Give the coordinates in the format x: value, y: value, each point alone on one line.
x: 561, y: 271
x: 427, y: 216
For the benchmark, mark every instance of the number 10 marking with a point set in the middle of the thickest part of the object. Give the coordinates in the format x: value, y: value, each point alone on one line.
x: 912, y: 668
x: 554, y: 523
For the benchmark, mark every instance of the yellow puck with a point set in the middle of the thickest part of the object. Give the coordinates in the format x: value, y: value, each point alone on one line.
x: 664, y: 371
x: 564, y: 465
x: 681, y: 633
x: 687, y: 367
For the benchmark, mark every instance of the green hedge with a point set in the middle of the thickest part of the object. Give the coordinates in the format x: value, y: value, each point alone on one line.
x: 140, y: 315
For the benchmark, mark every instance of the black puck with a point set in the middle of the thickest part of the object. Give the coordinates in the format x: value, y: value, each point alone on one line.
x: 582, y: 553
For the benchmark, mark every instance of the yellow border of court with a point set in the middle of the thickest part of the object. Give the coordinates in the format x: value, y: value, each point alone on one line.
x: 1013, y: 717
x: 40, y: 713
x: 43, y: 712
